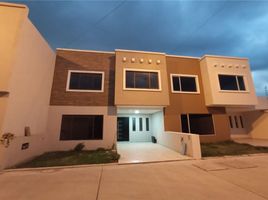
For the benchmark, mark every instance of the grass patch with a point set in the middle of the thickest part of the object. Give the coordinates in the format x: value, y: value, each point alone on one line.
x: 64, y: 158
x: 230, y: 148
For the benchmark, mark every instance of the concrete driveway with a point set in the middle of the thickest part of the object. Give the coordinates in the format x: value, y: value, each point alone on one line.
x: 224, y: 178
x: 138, y: 152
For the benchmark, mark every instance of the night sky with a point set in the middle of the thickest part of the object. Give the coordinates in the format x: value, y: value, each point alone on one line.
x: 192, y: 28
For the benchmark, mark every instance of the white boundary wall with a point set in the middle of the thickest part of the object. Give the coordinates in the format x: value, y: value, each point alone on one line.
x: 175, y: 140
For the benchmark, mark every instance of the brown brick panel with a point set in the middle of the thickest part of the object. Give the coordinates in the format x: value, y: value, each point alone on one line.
x: 88, y: 61
x: 192, y: 103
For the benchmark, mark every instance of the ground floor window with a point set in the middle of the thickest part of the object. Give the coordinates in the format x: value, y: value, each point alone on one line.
x: 81, y: 127
x: 238, y: 123
x: 201, y: 124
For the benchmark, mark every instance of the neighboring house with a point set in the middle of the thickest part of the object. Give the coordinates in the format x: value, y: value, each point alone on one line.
x: 101, y: 98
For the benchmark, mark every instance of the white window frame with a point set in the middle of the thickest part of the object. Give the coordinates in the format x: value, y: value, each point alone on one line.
x: 185, y: 75
x: 86, y: 72
x: 141, y: 70
x: 234, y: 91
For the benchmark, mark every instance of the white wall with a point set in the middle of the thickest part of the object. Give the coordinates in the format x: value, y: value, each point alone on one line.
x: 175, y: 140
x: 29, y: 93
x: 54, y: 126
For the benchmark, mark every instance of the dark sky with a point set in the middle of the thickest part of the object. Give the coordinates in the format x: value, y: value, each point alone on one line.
x: 192, y: 28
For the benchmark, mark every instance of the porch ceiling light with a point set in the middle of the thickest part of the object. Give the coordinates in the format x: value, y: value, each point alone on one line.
x: 136, y: 111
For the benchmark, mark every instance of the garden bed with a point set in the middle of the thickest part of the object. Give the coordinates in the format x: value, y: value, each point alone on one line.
x: 230, y: 148
x: 65, y: 158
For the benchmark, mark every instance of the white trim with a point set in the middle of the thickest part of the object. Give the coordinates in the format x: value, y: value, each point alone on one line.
x: 227, y: 57
x: 136, y: 51
x: 141, y: 70
x: 177, y: 56
x: 234, y: 91
x: 185, y: 75
x: 81, y: 50
x: 86, y: 72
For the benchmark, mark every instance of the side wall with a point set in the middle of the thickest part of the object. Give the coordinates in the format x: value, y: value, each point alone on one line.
x: 184, y: 103
x: 54, y: 126
x: 11, y: 19
x: 256, y: 122
x: 29, y: 86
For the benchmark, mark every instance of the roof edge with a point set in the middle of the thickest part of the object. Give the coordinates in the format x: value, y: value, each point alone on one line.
x: 14, y: 5
x: 80, y: 50
x: 137, y: 51
x: 227, y: 57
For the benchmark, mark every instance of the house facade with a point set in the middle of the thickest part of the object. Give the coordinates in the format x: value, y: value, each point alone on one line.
x: 51, y: 101
x: 123, y: 91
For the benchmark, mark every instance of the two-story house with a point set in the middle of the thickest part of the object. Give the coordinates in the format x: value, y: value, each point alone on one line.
x: 52, y: 102
x: 101, y: 98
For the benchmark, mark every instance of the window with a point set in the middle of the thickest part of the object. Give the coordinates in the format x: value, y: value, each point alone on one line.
x: 201, y: 124
x: 231, y: 121
x: 85, y: 81
x: 181, y: 83
x: 232, y: 82
x: 140, y: 123
x: 236, y: 122
x: 133, y: 124
x: 142, y: 80
x: 184, y: 123
x: 81, y: 127
x: 147, y: 124
x: 241, y: 121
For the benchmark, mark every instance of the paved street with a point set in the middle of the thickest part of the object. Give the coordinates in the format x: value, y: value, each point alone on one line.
x: 224, y: 178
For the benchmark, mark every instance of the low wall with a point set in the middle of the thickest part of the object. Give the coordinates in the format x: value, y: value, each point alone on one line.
x: 180, y: 141
x: 257, y: 123
x: 14, y: 154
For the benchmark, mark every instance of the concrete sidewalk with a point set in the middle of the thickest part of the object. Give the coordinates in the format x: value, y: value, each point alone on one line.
x: 221, y: 178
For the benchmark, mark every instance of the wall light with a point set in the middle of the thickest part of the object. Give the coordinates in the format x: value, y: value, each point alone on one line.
x: 136, y: 111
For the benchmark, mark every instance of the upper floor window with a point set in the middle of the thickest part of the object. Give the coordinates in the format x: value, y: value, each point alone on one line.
x: 182, y: 83
x: 142, y: 79
x: 85, y: 81
x: 232, y: 82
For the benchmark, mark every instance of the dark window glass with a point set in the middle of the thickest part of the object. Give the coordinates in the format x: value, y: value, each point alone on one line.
x: 141, y: 125
x: 236, y: 121
x: 184, y: 124
x: 176, y: 83
x: 147, y: 124
x: 81, y: 127
x: 130, y: 79
x: 188, y: 84
x: 228, y: 82
x: 241, y: 121
x: 201, y: 124
x: 142, y: 80
x: 85, y: 81
x: 154, y: 80
x: 231, y: 121
x: 133, y: 124
x: 241, y: 83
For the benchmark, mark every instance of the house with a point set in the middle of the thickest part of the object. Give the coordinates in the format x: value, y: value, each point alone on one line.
x: 53, y: 101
